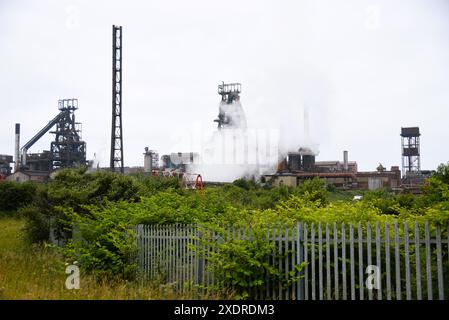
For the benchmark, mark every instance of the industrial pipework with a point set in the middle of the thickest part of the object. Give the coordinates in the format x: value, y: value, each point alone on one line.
x: 67, y: 149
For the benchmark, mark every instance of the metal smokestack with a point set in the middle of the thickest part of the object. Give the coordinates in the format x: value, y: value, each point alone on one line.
x: 345, y: 160
x: 17, y: 147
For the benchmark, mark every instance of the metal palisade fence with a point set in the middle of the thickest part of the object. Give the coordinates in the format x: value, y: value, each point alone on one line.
x: 405, y: 261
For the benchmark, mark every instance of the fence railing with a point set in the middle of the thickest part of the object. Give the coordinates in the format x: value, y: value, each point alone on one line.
x: 344, y: 261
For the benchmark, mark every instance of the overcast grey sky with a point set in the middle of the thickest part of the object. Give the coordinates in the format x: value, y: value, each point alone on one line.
x: 362, y: 68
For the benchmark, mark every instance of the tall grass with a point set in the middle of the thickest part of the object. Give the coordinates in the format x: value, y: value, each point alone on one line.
x: 38, y: 272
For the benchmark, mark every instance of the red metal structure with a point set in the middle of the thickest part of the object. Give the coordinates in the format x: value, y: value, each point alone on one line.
x: 193, y: 181
x: 200, y: 179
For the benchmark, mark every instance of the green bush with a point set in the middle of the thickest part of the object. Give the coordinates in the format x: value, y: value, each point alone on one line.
x: 74, y: 187
x: 103, y: 205
x: 442, y: 173
x: 37, y: 224
x: 102, y: 242
x: 313, y: 190
x: 151, y: 185
x: 15, y: 195
x: 247, y: 266
x: 245, y: 184
x: 436, y: 188
x: 435, y: 191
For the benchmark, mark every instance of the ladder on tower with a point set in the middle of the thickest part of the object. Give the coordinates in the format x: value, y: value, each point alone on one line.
x: 116, y: 163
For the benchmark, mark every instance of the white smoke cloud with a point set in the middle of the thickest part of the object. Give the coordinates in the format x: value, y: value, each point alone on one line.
x: 236, y: 150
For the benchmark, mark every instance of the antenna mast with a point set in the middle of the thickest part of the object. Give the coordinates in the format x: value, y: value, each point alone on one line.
x: 117, y: 130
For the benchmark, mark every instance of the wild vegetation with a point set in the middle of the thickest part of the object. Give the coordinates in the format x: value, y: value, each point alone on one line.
x: 94, y: 213
x: 37, y: 272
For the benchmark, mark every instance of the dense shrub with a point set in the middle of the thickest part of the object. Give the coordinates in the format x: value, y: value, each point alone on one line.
x: 245, y: 184
x: 442, y: 173
x: 383, y: 200
x: 103, y: 205
x: 246, y: 266
x: 15, y: 195
x: 313, y: 190
x: 74, y: 187
x: 37, y: 224
x: 435, y: 191
x: 102, y: 242
x: 150, y: 185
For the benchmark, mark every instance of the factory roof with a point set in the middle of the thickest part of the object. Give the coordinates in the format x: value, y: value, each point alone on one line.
x: 332, y: 162
x: 34, y: 173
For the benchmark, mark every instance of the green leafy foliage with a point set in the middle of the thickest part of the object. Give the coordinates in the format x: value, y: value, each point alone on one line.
x: 16, y: 195
x: 435, y: 191
x: 102, y: 242
x: 386, y: 202
x: 74, y: 188
x: 245, y: 184
x: 150, y: 185
x: 104, y: 205
x: 37, y: 224
x: 247, y: 265
x: 442, y: 173
x: 314, y: 190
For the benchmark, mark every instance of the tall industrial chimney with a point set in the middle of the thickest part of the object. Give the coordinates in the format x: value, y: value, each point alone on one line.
x: 147, y: 161
x: 17, y: 148
x: 345, y: 160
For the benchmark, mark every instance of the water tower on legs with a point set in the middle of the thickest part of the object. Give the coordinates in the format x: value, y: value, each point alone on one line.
x: 411, y: 158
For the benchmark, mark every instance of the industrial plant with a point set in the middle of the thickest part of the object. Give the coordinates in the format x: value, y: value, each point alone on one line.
x: 289, y: 168
x: 66, y: 150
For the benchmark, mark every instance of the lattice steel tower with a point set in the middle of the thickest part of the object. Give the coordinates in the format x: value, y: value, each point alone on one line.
x: 411, y: 159
x: 117, y: 130
x: 230, y: 111
x: 68, y: 150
